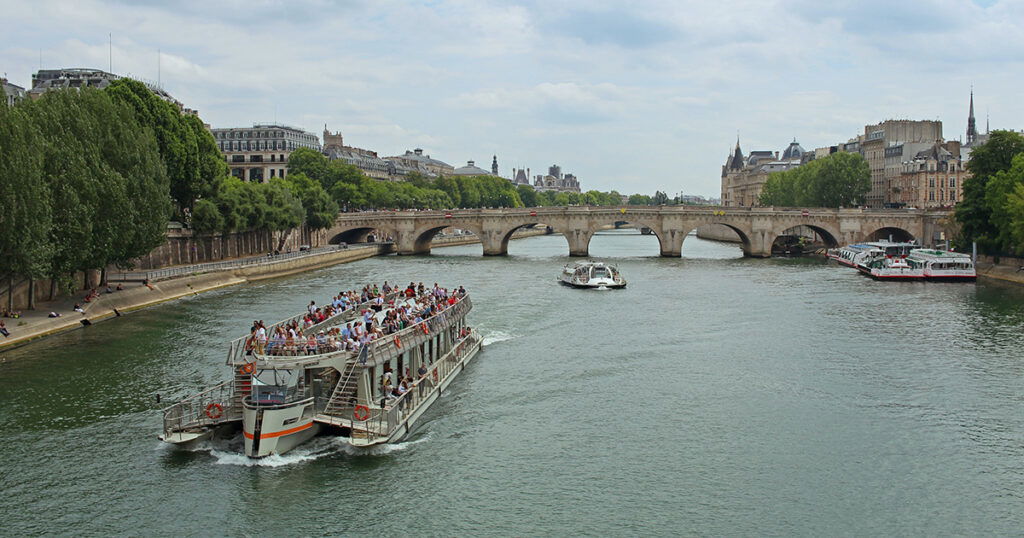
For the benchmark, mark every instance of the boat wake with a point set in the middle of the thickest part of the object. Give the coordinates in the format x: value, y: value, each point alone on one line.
x: 493, y: 337
x: 229, y: 451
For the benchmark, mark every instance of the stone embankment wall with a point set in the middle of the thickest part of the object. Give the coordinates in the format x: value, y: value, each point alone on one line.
x: 1003, y: 268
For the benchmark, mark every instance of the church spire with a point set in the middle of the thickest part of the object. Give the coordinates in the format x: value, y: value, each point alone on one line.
x: 972, y: 131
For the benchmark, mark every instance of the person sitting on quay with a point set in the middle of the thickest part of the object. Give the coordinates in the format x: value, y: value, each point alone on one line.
x: 78, y: 308
x: 3, y: 329
x: 53, y: 315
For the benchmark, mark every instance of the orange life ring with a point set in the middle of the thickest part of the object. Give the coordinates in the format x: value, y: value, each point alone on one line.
x: 214, y: 411
x: 425, y: 329
x: 398, y: 342
x: 247, y: 368
x: 361, y: 413
x: 435, y: 375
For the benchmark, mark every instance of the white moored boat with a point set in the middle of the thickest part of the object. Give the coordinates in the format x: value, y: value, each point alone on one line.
x: 591, y: 274
x: 943, y: 265
x: 895, y: 268
x: 283, y: 393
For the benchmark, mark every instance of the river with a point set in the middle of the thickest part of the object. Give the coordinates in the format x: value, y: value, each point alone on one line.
x: 716, y: 395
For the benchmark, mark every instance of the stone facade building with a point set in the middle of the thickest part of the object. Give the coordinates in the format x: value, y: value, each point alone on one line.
x: 743, y: 177
x: 555, y: 180
x: 471, y: 169
x: 46, y: 80
x: 934, y: 178
x: 365, y: 160
x: 886, y: 145
x: 261, y: 152
x: 417, y: 161
x: 11, y: 92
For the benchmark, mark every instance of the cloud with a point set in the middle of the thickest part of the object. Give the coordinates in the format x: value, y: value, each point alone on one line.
x: 635, y: 97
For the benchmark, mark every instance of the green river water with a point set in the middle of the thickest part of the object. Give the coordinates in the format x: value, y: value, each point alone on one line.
x: 716, y: 395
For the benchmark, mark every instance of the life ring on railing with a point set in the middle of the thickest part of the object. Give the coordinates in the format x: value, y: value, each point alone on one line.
x: 425, y: 329
x: 214, y: 411
x: 247, y: 368
x: 398, y: 342
x: 361, y: 413
x: 435, y: 375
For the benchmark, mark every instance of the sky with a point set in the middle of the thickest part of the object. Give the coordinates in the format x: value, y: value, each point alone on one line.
x: 633, y: 96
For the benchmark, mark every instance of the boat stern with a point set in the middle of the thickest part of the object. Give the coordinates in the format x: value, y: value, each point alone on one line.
x: 276, y: 429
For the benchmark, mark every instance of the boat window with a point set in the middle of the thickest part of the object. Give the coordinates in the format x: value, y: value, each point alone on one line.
x: 274, y: 386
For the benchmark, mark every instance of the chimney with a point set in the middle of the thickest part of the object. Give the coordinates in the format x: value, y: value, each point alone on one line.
x: 776, y: 155
x: 418, y: 151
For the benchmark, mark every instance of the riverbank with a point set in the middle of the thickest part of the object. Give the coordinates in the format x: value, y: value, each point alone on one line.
x: 36, y: 324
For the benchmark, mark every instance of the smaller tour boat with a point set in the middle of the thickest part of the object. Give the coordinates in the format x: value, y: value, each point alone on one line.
x: 591, y: 274
x: 943, y: 265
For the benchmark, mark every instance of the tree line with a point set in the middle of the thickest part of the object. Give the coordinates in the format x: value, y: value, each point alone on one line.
x: 991, y: 212
x: 83, y: 185
x: 839, y: 180
x: 352, y: 190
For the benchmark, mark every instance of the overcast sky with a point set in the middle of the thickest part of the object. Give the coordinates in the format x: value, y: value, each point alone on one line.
x: 630, y: 96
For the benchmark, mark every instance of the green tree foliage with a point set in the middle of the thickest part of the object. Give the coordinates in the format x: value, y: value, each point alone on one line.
x: 206, y: 218
x: 25, y: 210
x: 106, y: 186
x: 1005, y: 218
x: 1015, y: 211
x: 320, y: 209
x: 975, y: 211
x: 839, y: 180
x: 190, y: 156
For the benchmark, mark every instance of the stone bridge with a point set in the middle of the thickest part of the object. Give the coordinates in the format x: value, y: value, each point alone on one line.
x: 757, y: 227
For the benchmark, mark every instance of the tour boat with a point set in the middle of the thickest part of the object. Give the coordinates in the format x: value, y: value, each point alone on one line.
x: 895, y: 268
x: 591, y: 274
x: 943, y: 265
x: 281, y: 398
x: 845, y: 255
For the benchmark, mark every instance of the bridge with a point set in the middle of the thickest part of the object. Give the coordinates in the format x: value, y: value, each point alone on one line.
x: 757, y: 227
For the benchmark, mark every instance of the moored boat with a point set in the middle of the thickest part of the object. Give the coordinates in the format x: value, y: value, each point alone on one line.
x: 895, y: 268
x: 283, y: 393
x: 591, y: 274
x: 944, y: 265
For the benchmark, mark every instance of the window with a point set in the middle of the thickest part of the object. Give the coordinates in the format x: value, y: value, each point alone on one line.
x: 931, y: 196
x: 271, y: 172
x: 272, y: 157
x: 952, y: 181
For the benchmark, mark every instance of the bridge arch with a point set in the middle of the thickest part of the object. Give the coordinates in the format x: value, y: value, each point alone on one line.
x: 744, y: 235
x: 895, y: 233
x: 420, y: 239
x: 827, y: 236
x: 351, y: 235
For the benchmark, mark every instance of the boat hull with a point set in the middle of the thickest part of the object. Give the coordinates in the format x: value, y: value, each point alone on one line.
x: 589, y: 285
x: 277, y: 429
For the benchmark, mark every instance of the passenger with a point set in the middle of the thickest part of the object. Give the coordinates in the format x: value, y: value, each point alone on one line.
x: 78, y: 308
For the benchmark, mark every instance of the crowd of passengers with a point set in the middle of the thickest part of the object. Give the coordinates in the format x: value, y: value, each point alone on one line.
x: 295, y: 337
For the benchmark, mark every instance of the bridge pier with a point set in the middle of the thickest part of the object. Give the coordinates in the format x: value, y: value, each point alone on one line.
x: 671, y: 242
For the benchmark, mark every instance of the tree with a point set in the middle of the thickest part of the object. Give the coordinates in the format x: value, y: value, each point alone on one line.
x: 1001, y: 186
x: 206, y: 218
x: 321, y: 210
x: 1015, y: 212
x: 26, y: 216
x: 189, y: 153
x: 974, y: 212
x: 841, y: 179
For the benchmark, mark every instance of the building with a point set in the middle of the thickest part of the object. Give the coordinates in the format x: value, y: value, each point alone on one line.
x: 416, y: 161
x: 933, y: 178
x: 521, y: 176
x: 886, y: 145
x: 261, y: 152
x: 973, y: 139
x: 46, y: 80
x: 554, y: 181
x: 471, y: 169
x: 743, y: 177
x: 365, y: 160
x: 11, y: 92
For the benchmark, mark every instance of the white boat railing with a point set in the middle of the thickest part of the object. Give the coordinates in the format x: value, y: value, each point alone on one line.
x: 211, y: 407
x: 381, y: 422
